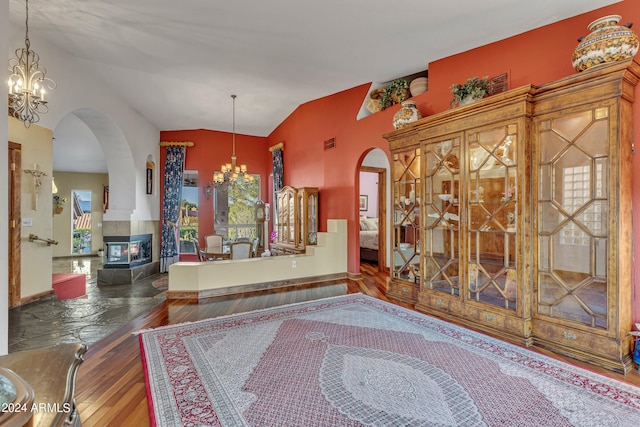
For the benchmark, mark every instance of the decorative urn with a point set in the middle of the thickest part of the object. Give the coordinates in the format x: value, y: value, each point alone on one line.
x: 408, y: 113
x: 607, y: 42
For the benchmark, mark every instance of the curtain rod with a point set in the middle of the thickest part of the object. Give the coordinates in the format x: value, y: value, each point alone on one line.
x: 176, y: 144
x: 278, y: 146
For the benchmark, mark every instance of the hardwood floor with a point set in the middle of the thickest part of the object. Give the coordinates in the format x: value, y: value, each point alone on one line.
x: 110, y: 388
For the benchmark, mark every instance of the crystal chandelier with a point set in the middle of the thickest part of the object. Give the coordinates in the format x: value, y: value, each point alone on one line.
x: 231, y: 173
x: 27, y: 83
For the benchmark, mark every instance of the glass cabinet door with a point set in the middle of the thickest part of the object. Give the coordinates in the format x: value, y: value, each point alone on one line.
x: 291, y: 221
x: 572, y: 206
x: 302, y: 213
x: 442, y: 221
x: 406, y: 240
x: 312, y: 218
x: 492, y: 200
x: 287, y: 216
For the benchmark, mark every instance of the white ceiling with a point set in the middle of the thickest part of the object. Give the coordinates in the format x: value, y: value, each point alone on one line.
x: 178, y: 62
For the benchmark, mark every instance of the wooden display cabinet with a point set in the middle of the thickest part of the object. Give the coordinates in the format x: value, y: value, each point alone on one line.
x: 297, y: 211
x: 522, y: 215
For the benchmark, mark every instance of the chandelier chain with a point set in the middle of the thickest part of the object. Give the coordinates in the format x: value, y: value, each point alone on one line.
x: 26, y: 25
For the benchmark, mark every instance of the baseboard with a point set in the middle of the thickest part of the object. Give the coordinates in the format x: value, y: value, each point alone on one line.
x: 36, y: 297
x: 354, y: 276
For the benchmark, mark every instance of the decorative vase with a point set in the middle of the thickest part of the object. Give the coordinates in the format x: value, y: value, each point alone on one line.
x: 59, y: 209
x: 373, y: 100
x: 408, y: 113
x: 607, y: 42
x: 418, y: 85
x: 469, y: 99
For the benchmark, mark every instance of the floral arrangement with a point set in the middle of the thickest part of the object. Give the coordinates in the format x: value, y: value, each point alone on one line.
x: 58, y: 201
x: 274, y: 235
x: 475, y: 88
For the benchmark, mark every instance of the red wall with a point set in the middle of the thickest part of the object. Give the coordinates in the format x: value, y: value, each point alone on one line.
x: 211, y: 150
x: 535, y: 57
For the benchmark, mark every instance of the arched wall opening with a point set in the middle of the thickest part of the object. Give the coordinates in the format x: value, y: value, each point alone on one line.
x: 376, y: 220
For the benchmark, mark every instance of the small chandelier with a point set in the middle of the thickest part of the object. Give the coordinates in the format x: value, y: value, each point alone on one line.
x: 231, y: 173
x: 27, y: 83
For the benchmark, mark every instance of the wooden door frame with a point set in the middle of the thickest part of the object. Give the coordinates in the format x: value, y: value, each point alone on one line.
x: 382, y: 213
x: 15, y: 223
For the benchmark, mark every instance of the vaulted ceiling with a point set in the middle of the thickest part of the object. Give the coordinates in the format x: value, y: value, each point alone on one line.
x: 178, y: 62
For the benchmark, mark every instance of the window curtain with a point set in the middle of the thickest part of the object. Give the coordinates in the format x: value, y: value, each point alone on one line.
x: 173, y: 172
x: 278, y: 169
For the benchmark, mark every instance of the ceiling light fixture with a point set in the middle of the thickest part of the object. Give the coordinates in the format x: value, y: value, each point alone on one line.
x: 230, y: 173
x: 27, y: 83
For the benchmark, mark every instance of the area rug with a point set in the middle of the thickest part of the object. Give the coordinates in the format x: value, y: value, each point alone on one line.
x: 354, y: 360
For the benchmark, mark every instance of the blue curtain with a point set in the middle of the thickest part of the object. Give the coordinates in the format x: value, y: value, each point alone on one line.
x: 173, y: 172
x: 278, y: 170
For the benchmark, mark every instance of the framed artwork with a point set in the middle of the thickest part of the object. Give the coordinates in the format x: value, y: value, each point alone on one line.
x: 364, y: 202
x: 150, y: 167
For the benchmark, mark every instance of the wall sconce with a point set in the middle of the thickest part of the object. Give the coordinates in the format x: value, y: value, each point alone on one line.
x: 207, y: 190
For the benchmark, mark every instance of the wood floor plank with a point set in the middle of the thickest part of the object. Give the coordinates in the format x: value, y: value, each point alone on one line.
x: 110, y: 388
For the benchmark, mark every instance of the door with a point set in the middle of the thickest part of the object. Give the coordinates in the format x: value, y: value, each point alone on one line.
x: 15, y: 159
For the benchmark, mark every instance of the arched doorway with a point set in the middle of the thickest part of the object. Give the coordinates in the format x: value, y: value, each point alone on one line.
x: 373, y: 207
x: 90, y: 153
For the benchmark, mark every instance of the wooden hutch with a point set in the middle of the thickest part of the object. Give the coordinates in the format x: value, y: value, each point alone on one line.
x: 297, y: 211
x: 513, y: 215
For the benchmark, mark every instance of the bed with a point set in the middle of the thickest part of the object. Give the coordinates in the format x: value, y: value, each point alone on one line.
x: 368, y: 239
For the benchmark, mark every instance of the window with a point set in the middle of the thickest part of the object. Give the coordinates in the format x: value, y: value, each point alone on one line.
x: 234, y: 207
x: 81, y: 221
x: 188, y: 218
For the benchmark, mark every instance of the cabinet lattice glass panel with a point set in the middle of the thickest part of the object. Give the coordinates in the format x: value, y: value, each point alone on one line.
x: 491, y: 200
x: 406, y: 225
x: 573, y: 202
x: 442, y: 220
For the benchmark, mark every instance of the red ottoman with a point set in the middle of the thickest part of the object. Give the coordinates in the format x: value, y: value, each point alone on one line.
x: 69, y: 286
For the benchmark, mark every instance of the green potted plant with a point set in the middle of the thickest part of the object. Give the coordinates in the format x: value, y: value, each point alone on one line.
x: 397, y: 92
x: 473, y: 89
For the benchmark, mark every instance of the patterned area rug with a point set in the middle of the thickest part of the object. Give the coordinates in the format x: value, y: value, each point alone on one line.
x: 355, y: 360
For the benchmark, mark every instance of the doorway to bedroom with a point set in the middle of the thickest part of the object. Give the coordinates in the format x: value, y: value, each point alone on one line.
x: 372, y: 202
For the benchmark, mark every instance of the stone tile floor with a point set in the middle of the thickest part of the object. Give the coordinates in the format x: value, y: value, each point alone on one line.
x: 87, y: 319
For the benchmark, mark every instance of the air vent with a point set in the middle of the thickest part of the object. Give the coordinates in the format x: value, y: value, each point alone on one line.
x: 500, y: 84
x: 329, y: 144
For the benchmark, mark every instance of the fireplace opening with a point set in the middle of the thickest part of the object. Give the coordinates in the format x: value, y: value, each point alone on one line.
x: 127, y: 251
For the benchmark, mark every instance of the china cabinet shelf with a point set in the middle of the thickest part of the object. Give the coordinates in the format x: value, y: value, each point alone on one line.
x: 539, y: 179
